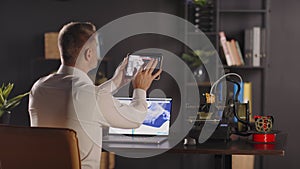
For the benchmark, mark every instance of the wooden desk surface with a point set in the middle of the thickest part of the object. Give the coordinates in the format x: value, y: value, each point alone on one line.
x: 240, y: 146
x: 235, y: 147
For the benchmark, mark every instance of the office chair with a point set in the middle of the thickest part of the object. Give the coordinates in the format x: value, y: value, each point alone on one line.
x: 38, y: 147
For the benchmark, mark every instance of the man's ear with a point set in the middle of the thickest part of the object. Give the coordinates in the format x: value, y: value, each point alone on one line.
x: 87, y: 54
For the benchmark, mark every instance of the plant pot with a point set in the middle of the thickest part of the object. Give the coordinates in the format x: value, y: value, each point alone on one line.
x: 5, y: 118
x: 201, y: 74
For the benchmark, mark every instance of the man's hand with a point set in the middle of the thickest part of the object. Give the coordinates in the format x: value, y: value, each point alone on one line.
x: 144, y: 77
x: 119, y: 78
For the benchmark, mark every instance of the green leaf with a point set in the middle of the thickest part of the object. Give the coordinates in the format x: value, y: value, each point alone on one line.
x: 187, y: 57
x: 2, y: 87
x: 20, y: 96
x: 11, y: 103
x: 200, y: 2
x: 2, y: 99
x: 8, y: 104
x: 7, y: 90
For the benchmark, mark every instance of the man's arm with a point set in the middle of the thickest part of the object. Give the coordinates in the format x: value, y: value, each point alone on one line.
x: 120, y: 115
x: 118, y: 80
x: 128, y: 116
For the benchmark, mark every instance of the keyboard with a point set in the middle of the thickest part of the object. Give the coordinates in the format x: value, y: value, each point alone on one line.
x: 134, y: 139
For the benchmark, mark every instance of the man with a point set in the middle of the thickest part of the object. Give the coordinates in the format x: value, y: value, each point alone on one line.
x: 69, y: 99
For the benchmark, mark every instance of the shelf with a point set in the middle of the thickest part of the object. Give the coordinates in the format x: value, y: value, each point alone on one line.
x: 203, y: 84
x: 234, y: 17
x: 244, y: 11
x: 203, y: 33
x: 243, y: 67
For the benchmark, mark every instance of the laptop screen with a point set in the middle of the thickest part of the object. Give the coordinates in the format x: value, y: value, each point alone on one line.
x: 157, y: 121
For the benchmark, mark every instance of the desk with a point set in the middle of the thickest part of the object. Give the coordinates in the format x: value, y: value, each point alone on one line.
x: 221, y: 149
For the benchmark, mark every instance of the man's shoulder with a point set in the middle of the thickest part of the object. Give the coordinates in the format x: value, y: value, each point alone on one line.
x: 60, y: 81
x: 43, y: 79
x: 53, y: 80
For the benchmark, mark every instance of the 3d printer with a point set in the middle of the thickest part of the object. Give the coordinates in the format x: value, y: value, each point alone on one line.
x: 233, y: 117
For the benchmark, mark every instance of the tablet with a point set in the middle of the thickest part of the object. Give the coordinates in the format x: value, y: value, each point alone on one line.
x: 136, y: 61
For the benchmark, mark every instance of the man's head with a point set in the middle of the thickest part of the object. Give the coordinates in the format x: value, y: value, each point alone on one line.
x: 74, y: 47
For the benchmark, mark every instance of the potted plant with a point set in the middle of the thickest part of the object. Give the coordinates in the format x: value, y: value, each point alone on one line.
x: 200, y: 2
x: 192, y: 58
x: 6, y: 104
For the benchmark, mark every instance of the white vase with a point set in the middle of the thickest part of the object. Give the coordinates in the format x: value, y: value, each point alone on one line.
x: 200, y: 74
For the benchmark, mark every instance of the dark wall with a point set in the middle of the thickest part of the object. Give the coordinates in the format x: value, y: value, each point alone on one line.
x: 23, y: 24
x: 283, y: 79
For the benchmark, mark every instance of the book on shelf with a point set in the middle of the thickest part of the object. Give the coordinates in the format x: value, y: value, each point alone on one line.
x: 231, y: 54
x: 225, y: 48
x: 239, y: 53
x: 248, y: 43
x: 255, y: 46
x: 231, y: 50
x: 235, y: 54
x: 248, y: 94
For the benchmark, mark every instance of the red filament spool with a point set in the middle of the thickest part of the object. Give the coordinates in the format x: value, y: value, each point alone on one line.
x: 264, y: 137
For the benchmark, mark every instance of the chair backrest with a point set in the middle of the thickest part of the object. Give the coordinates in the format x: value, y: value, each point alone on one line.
x: 38, y: 148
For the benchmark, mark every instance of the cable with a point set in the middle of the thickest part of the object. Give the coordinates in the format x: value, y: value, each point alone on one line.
x: 238, y: 89
x: 234, y: 100
x: 228, y: 74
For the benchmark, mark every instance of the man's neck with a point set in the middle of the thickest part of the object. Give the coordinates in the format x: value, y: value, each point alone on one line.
x: 78, y: 66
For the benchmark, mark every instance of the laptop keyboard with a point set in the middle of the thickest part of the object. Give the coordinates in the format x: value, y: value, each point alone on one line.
x: 133, y: 139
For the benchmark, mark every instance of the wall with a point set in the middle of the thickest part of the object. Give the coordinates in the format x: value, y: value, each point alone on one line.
x: 21, y: 44
x: 24, y: 22
x: 283, y: 79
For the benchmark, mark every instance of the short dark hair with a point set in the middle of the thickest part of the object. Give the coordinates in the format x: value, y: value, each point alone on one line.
x: 72, y: 38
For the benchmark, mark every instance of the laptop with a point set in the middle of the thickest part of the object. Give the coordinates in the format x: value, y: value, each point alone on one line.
x: 154, y: 129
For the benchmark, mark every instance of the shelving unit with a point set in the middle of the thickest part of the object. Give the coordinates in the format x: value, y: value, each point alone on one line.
x: 233, y: 17
x: 233, y: 20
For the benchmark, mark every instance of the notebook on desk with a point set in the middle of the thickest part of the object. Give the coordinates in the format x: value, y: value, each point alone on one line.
x: 154, y: 129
